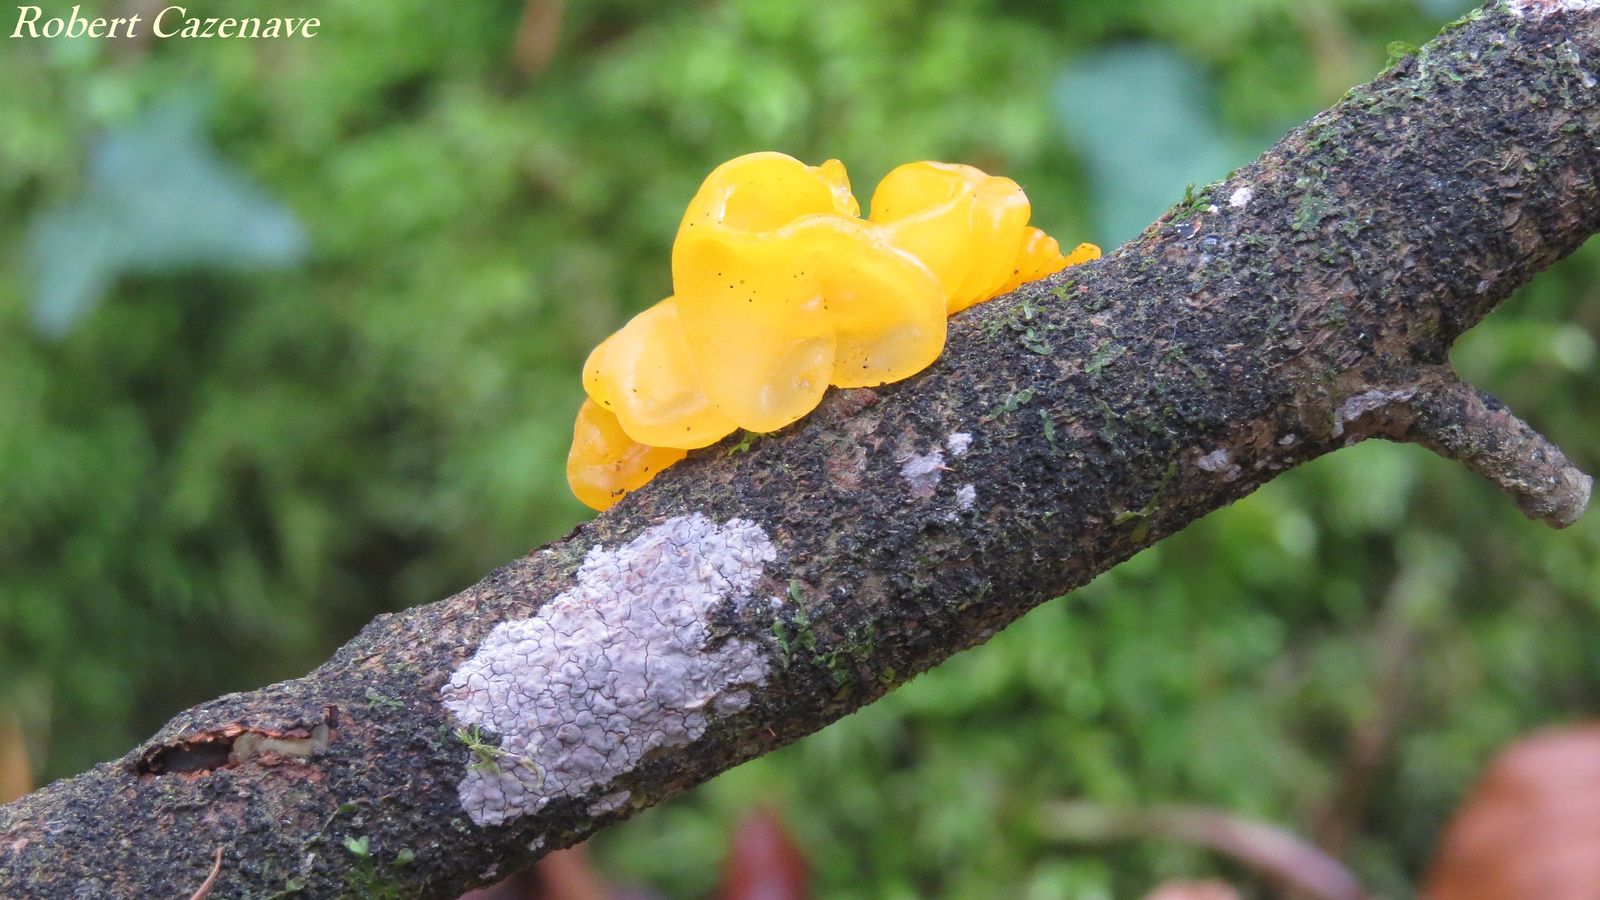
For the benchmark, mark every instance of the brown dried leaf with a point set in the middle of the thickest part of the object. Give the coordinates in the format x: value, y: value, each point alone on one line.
x: 1530, y: 827
x: 763, y: 862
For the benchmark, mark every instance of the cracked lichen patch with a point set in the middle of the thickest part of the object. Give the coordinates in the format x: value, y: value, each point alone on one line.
x: 1538, y: 9
x: 621, y: 664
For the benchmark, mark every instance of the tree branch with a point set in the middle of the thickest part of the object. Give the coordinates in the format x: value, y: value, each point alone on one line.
x: 744, y: 600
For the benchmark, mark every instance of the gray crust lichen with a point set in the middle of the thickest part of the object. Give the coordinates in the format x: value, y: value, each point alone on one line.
x: 922, y: 472
x: 966, y: 495
x: 619, y: 665
x: 1219, y: 462
x: 1367, y: 402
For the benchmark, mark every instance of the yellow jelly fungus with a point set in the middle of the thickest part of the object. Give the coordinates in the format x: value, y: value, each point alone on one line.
x: 782, y: 291
x: 961, y: 223
x: 644, y: 376
x: 1041, y: 255
x: 605, y: 463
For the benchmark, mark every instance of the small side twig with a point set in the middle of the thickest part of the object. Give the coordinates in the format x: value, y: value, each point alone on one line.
x: 1276, y: 853
x: 1432, y: 408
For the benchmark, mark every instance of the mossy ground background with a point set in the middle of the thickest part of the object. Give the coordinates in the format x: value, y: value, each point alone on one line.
x: 213, y: 477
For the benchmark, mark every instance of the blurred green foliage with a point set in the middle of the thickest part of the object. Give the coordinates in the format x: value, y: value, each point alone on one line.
x: 212, y: 477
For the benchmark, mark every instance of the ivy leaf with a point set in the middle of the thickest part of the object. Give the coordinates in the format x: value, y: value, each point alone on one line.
x: 1142, y: 117
x: 158, y: 199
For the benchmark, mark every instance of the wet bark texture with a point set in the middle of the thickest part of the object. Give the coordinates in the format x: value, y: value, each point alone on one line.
x: 1304, y: 303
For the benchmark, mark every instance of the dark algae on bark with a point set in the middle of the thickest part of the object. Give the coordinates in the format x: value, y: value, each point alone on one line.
x: 1306, y: 302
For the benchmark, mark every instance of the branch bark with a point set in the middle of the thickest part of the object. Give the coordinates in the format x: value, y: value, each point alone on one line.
x: 743, y: 600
